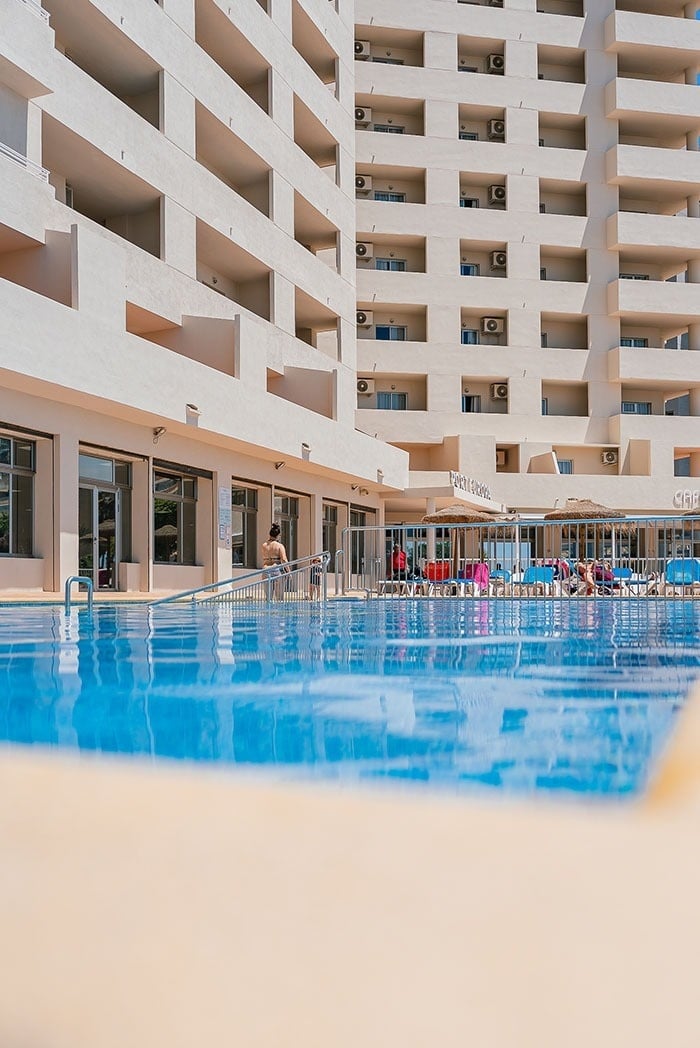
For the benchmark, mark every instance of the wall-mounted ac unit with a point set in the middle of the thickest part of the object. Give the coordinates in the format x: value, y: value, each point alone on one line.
x: 609, y: 458
x: 499, y: 259
x: 500, y: 457
x: 363, y: 184
x: 363, y: 250
x: 365, y: 385
x: 364, y: 318
x: 496, y: 129
x: 497, y: 194
x: 362, y: 49
x: 495, y: 63
x: 492, y: 325
x: 499, y: 391
x: 363, y: 116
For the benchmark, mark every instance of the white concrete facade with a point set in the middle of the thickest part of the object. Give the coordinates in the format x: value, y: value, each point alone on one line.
x: 568, y: 133
x: 177, y: 286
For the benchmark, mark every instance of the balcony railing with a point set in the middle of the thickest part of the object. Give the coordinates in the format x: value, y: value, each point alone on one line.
x: 36, y: 8
x: 23, y: 161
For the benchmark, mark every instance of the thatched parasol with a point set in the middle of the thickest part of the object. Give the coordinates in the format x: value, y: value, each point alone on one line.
x: 459, y: 515
x: 583, y: 509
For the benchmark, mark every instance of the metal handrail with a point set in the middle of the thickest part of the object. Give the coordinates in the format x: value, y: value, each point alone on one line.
x: 296, y: 577
x: 23, y: 161
x: 82, y: 580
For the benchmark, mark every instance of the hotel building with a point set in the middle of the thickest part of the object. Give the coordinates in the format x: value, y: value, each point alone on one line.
x: 226, y: 301
x: 528, y: 246
x: 177, y: 282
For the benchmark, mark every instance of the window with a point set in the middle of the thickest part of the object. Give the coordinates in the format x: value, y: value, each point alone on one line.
x: 244, y: 527
x: 469, y: 269
x: 543, y: 208
x: 468, y: 201
x: 469, y: 136
x: 543, y: 339
x: 681, y: 467
x: 330, y: 529
x: 468, y: 69
x: 471, y: 404
x: 634, y: 276
x: 566, y: 466
x: 387, y: 61
x: 390, y: 332
x: 392, y: 401
x: 545, y: 405
x: 470, y: 337
x: 636, y: 407
x: 388, y: 129
x: 392, y: 265
x: 392, y: 198
x: 17, y: 458
x: 635, y: 343
x: 543, y: 273
x: 174, y: 512
x: 286, y: 513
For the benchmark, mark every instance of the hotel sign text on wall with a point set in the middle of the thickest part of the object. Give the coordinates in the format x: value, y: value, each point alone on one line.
x: 474, y: 487
x: 687, y: 498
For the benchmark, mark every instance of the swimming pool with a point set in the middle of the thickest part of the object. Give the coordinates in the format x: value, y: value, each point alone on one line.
x: 525, y: 696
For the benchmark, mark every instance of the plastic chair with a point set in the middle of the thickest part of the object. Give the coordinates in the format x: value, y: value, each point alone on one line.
x: 537, y: 581
x: 682, y: 577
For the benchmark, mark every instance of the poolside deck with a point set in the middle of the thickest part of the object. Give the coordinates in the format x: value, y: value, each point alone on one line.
x: 162, y: 907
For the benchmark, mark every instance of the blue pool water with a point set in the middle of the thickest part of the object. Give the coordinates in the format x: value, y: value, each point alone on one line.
x: 521, y: 696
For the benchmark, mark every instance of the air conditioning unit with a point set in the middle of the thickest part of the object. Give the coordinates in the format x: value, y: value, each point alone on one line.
x: 492, y: 325
x: 365, y: 385
x: 363, y: 250
x: 495, y: 63
x: 499, y: 259
x: 496, y: 129
x: 499, y: 391
x: 363, y: 184
x: 364, y: 318
x: 497, y: 194
x: 362, y: 49
x: 363, y: 116
x: 609, y: 458
x: 500, y: 458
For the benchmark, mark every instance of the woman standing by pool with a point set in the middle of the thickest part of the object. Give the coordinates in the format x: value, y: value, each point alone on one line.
x: 274, y: 556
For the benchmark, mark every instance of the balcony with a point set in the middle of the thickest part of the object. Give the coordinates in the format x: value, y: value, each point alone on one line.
x: 658, y: 43
x: 657, y: 237
x: 666, y: 369
x: 655, y: 300
x: 652, y: 167
x: 649, y: 108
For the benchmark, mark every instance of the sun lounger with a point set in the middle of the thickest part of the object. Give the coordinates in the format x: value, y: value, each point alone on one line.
x: 537, y: 581
x: 682, y: 577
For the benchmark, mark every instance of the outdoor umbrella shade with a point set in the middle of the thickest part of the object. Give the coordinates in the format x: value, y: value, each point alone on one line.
x: 581, y: 512
x: 583, y: 509
x: 462, y: 515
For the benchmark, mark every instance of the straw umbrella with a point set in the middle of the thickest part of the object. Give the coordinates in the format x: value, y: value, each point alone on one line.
x: 586, y: 510
x: 461, y: 514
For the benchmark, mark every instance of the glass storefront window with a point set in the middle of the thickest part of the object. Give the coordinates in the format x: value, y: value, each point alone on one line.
x: 244, y: 527
x: 174, y: 518
x: 16, y: 497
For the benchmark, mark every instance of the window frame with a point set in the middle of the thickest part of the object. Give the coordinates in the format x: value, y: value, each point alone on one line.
x: 465, y: 341
x: 397, y: 401
x: 20, y: 540
x: 393, y: 265
x: 389, y: 197
x: 248, y: 511
x: 185, y: 548
x: 396, y: 332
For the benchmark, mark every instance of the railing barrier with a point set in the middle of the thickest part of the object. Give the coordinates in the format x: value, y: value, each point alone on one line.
x: 82, y: 580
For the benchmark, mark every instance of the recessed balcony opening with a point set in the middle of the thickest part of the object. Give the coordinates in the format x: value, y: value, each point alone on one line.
x: 315, y: 324
x: 562, y: 198
x: 390, y: 185
x: 565, y: 399
x: 388, y: 46
x: 483, y: 327
x: 231, y: 272
x: 315, y: 232
x: 564, y: 264
x: 384, y: 322
x: 483, y: 258
x: 224, y: 154
x: 42, y: 268
x: 389, y: 253
x: 313, y: 46
x: 388, y: 115
x: 559, y: 131
x: 101, y: 189
x: 662, y: 200
x: 394, y: 392
x: 653, y: 264
x: 562, y: 331
x: 232, y: 51
x: 656, y: 130
x: 315, y: 139
x: 658, y: 64
x: 666, y: 8
x: 108, y: 56
x: 483, y: 190
x: 481, y: 124
x: 483, y: 396
x: 208, y: 340
x: 561, y: 7
x: 508, y: 458
x: 564, y: 64
x: 481, y: 55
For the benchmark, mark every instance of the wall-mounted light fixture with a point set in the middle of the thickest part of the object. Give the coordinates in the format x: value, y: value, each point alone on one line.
x: 354, y: 487
x: 193, y: 409
x: 364, y: 491
x: 380, y: 473
x: 158, y: 432
x: 280, y: 465
x: 192, y: 414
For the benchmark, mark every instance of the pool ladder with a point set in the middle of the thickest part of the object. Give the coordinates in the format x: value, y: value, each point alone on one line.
x: 81, y: 580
